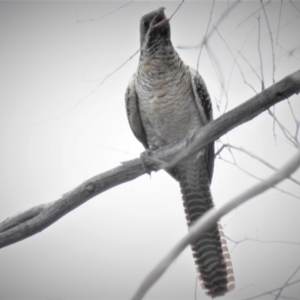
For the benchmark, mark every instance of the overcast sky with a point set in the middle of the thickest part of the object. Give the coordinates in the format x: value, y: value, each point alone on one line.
x: 63, y: 120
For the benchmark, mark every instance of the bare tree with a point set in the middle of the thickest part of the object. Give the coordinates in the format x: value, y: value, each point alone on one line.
x: 249, y: 57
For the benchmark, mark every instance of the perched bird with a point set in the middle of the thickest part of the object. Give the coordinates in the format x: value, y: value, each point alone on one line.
x: 166, y: 101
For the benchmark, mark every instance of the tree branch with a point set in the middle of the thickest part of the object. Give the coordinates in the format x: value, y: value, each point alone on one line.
x: 254, y: 156
x: 36, y: 219
x: 211, y: 217
x: 243, y: 113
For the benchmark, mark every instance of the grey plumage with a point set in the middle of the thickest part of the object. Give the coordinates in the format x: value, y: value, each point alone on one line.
x: 165, y: 102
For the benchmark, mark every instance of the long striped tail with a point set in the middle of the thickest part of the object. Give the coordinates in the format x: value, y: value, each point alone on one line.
x: 210, y: 250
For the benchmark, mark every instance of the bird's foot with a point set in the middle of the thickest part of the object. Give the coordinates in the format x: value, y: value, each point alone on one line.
x: 190, y: 136
x: 149, y: 162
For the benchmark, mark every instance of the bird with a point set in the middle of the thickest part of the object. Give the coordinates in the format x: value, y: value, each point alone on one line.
x: 167, y: 101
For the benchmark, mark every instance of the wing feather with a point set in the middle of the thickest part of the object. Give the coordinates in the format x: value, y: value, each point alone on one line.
x: 204, y: 105
x: 133, y: 113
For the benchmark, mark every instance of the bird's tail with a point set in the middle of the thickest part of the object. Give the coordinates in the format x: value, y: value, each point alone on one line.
x: 210, y: 250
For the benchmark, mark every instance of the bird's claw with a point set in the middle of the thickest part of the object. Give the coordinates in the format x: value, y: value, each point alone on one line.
x: 148, y: 162
x: 190, y: 136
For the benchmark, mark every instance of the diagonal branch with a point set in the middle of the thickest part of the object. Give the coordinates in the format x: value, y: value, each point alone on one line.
x: 243, y: 113
x: 211, y: 217
x: 34, y: 220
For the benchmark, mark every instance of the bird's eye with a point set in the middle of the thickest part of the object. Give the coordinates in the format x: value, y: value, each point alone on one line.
x: 146, y: 23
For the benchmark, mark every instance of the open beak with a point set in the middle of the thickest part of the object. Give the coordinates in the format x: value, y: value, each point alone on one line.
x: 160, y: 19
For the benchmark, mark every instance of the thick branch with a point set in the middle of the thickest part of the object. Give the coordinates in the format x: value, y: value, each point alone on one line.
x: 40, y: 217
x: 281, y: 90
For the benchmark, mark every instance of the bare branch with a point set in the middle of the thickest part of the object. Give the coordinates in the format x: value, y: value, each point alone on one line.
x: 235, y: 62
x: 21, y: 217
x: 205, y: 36
x: 287, y: 134
x: 246, y: 112
x: 259, y: 159
x: 220, y: 150
x: 295, y: 6
x: 219, y: 74
x: 260, y: 56
x: 220, y: 20
x: 290, y: 52
x: 95, y: 89
x: 176, y: 9
x: 285, y: 297
x: 105, y: 15
x: 246, y: 60
x: 38, y: 218
x: 262, y: 241
x: 271, y: 40
x: 272, y: 291
x: 258, y: 178
x: 281, y: 289
x: 292, y: 112
x: 211, y: 217
x: 279, y: 20
x: 252, y: 14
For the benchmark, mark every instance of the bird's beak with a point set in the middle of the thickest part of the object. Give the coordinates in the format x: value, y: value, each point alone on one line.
x: 160, y: 19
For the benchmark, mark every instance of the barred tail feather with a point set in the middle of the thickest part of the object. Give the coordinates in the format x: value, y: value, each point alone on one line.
x: 210, y: 250
x: 227, y: 259
x: 214, y: 263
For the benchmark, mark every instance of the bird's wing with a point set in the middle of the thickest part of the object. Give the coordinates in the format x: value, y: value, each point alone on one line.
x: 204, y: 105
x: 133, y: 113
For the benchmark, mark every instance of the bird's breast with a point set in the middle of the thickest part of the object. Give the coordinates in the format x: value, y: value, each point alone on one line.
x: 167, y: 106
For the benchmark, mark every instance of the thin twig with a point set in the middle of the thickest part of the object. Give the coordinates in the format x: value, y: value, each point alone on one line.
x: 271, y: 41
x: 295, y: 6
x: 220, y: 150
x: 292, y: 112
x: 261, y: 241
x: 220, y: 20
x: 258, y: 178
x: 105, y: 15
x: 290, y: 52
x: 235, y: 63
x: 284, y: 297
x: 272, y: 291
x: 286, y: 133
x: 288, y: 280
x: 279, y: 20
x: 219, y: 74
x: 258, y: 159
x: 252, y: 14
x: 246, y: 60
x: 260, y: 56
x: 94, y: 90
x: 273, y: 56
x: 205, y: 35
x: 176, y: 10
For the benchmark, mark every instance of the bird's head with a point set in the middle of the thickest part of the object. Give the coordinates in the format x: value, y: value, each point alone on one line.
x: 154, y: 29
